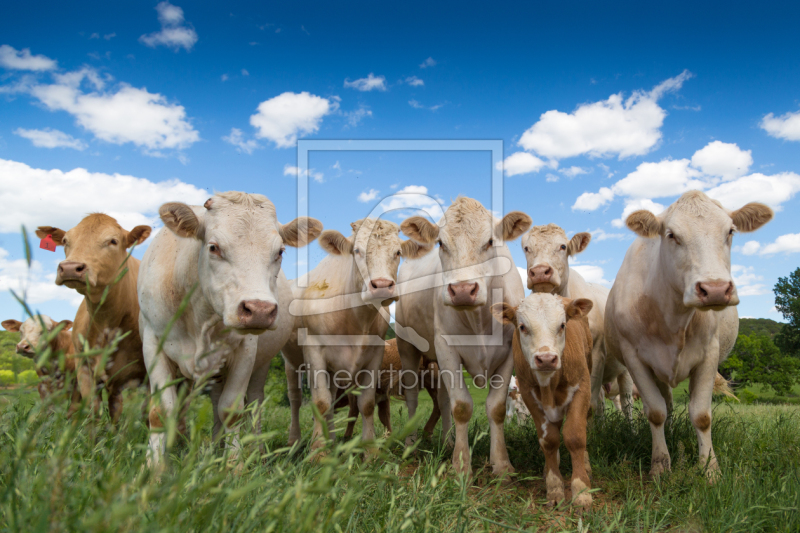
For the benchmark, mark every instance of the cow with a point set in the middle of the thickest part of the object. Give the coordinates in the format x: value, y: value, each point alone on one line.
x: 98, y: 266
x: 33, y: 342
x: 224, y: 260
x: 671, y: 314
x: 444, y: 315
x: 552, y: 341
x: 342, y: 321
x: 547, y: 250
x: 515, y: 404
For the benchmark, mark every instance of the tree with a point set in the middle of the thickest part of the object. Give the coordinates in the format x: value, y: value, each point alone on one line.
x: 756, y: 359
x: 787, y: 301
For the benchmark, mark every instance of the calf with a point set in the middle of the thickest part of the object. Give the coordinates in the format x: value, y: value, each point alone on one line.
x: 671, y: 314
x: 224, y: 259
x: 344, y: 298
x: 548, y: 250
x: 97, y: 260
x: 452, y: 323
x: 515, y: 404
x: 552, y: 340
x: 33, y: 342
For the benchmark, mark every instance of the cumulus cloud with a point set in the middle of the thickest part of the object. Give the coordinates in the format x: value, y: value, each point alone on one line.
x: 725, y: 160
x: 748, y: 248
x: 242, y: 145
x: 600, y: 235
x: 50, y: 138
x: 591, y: 273
x: 521, y: 163
x: 127, y: 115
x: 414, y: 197
x: 430, y: 62
x: 282, y: 118
x: 175, y: 32
x: 289, y: 170
x: 747, y: 281
x: 616, y: 126
x: 573, y: 171
x: 13, y: 59
x: 416, y: 105
x: 370, y: 83
x: 785, y: 244
x: 656, y: 180
x: 355, y: 117
x: 62, y: 199
x: 785, y: 127
x: 414, y: 81
x: 36, y: 284
x: 368, y: 196
x: 637, y: 205
x: 771, y: 190
x: 589, y: 201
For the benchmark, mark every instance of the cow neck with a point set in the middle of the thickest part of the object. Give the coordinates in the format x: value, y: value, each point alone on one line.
x: 669, y: 302
x: 108, y: 314
x: 365, y: 313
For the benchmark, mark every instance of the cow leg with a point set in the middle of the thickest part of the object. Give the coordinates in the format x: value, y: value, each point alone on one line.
x: 616, y: 402
x: 215, y: 393
x: 409, y: 380
x: 163, y: 403
x: 460, y: 403
x: 701, y: 385
x: 549, y: 441
x: 255, y: 393
x: 75, y: 398
x: 575, y: 441
x: 114, y: 403
x: 86, y: 384
x: 597, y: 371
x: 435, y: 413
x: 368, y: 380
x: 385, y: 413
x: 234, y: 389
x: 496, y: 412
x: 447, y: 418
x: 625, y: 384
x: 293, y: 383
x: 321, y: 394
x: 352, y: 416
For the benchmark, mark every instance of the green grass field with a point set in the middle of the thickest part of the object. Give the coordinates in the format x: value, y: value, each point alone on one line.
x: 58, y: 475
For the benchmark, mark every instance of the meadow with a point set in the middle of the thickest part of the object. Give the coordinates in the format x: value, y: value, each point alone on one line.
x: 89, y: 475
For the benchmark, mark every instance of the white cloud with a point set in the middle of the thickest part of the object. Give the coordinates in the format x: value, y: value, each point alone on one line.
x: 771, y: 190
x: 552, y: 178
x: 669, y: 177
x: 788, y: 244
x: 521, y: 163
x: 237, y: 139
x: 600, y: 234
x: 589, y: 201
x: 224, y: 77
x: 368, y: 196
x: 13, y: 59
x: 637, y: 205
x: 416, y: 105
x: 746, y: 281
x: 414, y: 197
x: 430, y: 62
x: 355, y: 117
x: 245, y: 72
x: 289, y: 170
x: 785, y: 127
x: 725, y: 160
x: 592, y: 274
x: 414, y: 81
x: 109, y: 36
x: 571, y: 172
x: 370, y: 83
x: 129, y: 115
x: 611, y: 127
x: 62, y: 199
x: 175, y: 32
x: 282, y: 118
x: 50, y: 138
x: 748, y: 248
x: 35, y: 284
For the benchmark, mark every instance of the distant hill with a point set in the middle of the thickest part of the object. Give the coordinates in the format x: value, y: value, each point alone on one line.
x: 761, y: 326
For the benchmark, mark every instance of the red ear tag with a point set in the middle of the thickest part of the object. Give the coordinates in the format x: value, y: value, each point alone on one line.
x: 48, y: 244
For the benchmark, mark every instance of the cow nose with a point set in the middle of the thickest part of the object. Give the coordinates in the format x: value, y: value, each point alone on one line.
x: 71, y: 270
x: 23, y: 347
x: 257, y: 314
x: 463, y: 293
x: 713, y: 293
x: 546, y: 361
x: 540, y: 274
x: 382, y: 287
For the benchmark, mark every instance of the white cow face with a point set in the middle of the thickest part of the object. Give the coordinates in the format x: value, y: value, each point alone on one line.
x: 466, y: 248
x: 376, y: 249
x: 541, y: 322
x: 548, y: 250
x: 242, y: 245
x: 32, y: 335
x: 696, y: 235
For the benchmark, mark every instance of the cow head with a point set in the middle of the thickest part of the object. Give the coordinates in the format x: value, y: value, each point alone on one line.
x: 241, y: 248
x: 696, y: 234
x: 95, y: 251
x: 466, y: 247
x: 541, y: 323
x: 376, y: 249
x: 548, y: 250
x: 32, y: 334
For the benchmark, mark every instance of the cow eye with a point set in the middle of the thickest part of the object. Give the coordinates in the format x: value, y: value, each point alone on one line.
x: 523, y: 329
x: 214, y: 249
x: 441, y: 244
x: 563, y: 326
x: 113, y: 241
x: 280, y: 254
x: 398, y: 253
x: 731, y: 231
x: 563, y: 246
x: 526, y: 249
x: 489, y: 244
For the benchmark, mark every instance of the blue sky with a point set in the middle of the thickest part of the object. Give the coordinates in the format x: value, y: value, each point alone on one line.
x: 602, y: 109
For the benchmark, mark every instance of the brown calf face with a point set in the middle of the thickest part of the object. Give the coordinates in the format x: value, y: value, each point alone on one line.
x: 95, y: 251
x: 32, y: 335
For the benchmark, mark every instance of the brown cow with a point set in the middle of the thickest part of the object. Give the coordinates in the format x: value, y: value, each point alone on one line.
x: 551, y: 342
x: 96, y: 253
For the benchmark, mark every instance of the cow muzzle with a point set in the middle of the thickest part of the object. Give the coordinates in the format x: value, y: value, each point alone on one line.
x: 546, y: 361
x: 714, y: 294
x: 256, y: 314
x: 540, y: 278
x: 382, y: 289
x: 71, y: 273
x: 463, y: 294
x: 23, y: 348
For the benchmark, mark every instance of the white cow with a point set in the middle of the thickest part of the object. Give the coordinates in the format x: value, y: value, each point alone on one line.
x: 671, y: 314
x: 452, y: 323
x: 341, y: 319
x: 228, y: 253
x: 548, y: 250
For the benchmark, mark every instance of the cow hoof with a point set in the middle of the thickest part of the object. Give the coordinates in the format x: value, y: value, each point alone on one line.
x: 659, y: 467
x: 411, y: 440
x: 503, y: 470
x: 584, y: 501
x: 554, y: 497
x: 713, y: 473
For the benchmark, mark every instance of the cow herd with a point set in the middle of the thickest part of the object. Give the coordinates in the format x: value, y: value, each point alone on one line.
x: 209, y: 305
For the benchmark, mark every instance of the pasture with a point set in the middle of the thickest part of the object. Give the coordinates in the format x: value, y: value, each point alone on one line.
x: 86, y: 475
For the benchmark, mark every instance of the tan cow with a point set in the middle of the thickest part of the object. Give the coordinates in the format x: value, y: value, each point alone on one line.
x: 34, y: 333
x: 342, y: 320
x: 548, y: 250
x: 445, y: 315
x: 96, y: 253
x: 225, y: 257
x: 671, y: 314
x: 552, y: 340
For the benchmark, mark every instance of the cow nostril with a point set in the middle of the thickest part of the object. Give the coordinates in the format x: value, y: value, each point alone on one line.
x: 474, y: 290
x: 245, y: 311
x: 701, y: 291
x: 80, y: 268
x: 548, y: 271
x: 729, y: 290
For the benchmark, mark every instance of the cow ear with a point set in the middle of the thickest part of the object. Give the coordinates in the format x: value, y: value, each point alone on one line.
x: 578, y: 308
x: 335, y: 243
x: 413, y: 250
x: 420, y: 230
x: 355, y: 225
x: 57, y: 234
x: 505, y: 313
x: 513, y: 225
x: 11, y: 325
x: 181, y: 220
x: 752, y: 216
x: 644, y: 223
x: 301, y: 231
x: 67, y: 325
x: 578, y: 243
x: 138, y: 235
